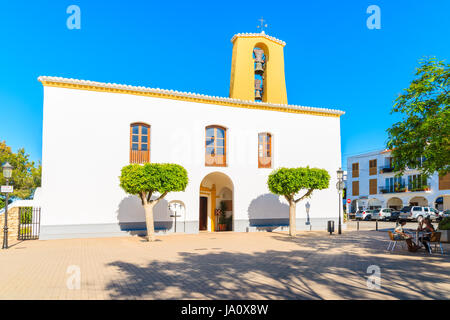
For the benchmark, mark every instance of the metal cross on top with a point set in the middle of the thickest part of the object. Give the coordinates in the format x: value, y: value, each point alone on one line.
x: 263, y: 25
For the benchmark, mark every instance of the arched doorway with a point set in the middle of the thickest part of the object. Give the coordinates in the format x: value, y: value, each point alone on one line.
x: 418, y: 201
x: 442, y: 203
x: 394, y: 203
x: 216, y: 203
x: 439, y: 203
x: 374, y: 204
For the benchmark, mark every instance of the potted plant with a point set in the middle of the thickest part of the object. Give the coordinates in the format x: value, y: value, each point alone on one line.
x: 444, y: 229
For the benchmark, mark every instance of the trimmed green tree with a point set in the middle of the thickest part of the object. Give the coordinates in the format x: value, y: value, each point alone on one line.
x: 288, y: 182
x: 149, y: 179
x: 424, y: 130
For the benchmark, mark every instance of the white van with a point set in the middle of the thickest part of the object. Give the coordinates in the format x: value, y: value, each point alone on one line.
x: 417, y: 212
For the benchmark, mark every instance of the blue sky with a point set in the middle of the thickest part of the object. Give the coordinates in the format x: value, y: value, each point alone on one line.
x: 332, y: 59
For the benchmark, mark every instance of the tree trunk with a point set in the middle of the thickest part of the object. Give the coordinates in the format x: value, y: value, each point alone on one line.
x: 292, y: 225
x: 149, y: 221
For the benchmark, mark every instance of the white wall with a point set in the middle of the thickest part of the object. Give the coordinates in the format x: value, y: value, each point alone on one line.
x: 86, y: 143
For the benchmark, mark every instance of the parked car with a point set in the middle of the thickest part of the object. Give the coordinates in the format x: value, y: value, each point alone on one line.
x: 417, y: 212
x: 405, y: 212
x: 435, y: 213
x: 364, y: 215
x: 394, y: 216
x: 443, y: 214
x: 382, y: 214
x: 432, y: 213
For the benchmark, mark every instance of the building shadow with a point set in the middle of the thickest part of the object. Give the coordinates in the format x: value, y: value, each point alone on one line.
x: 267, y: 211
x: 296, y: 274
x: 131, y: 215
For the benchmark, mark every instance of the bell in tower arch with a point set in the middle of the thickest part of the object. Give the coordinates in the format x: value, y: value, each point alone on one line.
x: 258, y: 89
x: 259, y: 61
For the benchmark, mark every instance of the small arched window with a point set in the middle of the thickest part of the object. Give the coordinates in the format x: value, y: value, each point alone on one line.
x: 264, y: 150
x: 139, y: 143
x: 215, y: 146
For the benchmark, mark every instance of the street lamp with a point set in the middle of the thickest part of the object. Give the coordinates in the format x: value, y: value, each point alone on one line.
x: 7, y: 173
x: 340, y: 187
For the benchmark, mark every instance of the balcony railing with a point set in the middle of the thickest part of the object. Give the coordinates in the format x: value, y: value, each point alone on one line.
x: 393, y: 190
x: 138, y: 156
x: 386, y: 169
x: 418, y: 189
x: 404, y: 189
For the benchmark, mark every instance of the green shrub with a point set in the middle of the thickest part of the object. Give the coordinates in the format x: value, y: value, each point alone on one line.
x: 444, y: 224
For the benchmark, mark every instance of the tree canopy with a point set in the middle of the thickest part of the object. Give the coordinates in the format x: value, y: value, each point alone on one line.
x: 289, y: 181
x: 144, y: 180
x: 422, y: 138
x: 26, y: 176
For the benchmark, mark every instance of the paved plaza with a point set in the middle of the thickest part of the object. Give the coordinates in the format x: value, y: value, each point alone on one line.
x: 226, y: 265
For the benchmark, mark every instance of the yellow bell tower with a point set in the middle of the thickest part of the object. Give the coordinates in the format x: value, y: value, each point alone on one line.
x: 257, y: 69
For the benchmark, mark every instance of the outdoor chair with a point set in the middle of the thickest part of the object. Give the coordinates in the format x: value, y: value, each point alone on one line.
x: 393, y: 242
x: 436, y: 239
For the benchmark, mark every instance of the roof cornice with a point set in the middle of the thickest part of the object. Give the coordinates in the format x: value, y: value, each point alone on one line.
x: 179, y: 95
x: 254, y: 35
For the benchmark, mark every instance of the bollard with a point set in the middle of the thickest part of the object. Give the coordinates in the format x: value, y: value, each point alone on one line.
x: 376, y: 225
x: 357, y: 225
x: 330, y: 226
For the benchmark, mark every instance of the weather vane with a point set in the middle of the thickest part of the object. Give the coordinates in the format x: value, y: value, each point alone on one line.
x: 263, y: 25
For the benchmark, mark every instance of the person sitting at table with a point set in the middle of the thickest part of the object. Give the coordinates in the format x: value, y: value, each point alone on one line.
x: 420, y: 223
x: 426, y: 226
x: 399, y: 234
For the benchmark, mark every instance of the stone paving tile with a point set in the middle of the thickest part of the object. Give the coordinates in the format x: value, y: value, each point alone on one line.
x: 226, y: 265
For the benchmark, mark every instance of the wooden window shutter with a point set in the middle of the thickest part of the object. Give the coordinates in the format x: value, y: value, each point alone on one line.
x: 373, y: 167
x: 444, y: 182
x: 355, y: 188
x: 355, y: 170
x: 373, y: 186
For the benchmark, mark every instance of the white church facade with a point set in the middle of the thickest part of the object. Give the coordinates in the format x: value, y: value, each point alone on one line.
x: 228, y: 145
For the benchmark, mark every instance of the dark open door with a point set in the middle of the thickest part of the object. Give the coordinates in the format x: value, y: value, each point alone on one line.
x: 203, y: 213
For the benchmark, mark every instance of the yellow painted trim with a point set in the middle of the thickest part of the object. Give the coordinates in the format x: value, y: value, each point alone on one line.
x: 213, y: 208
x: 211, y: 192
x: 183, y: 98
